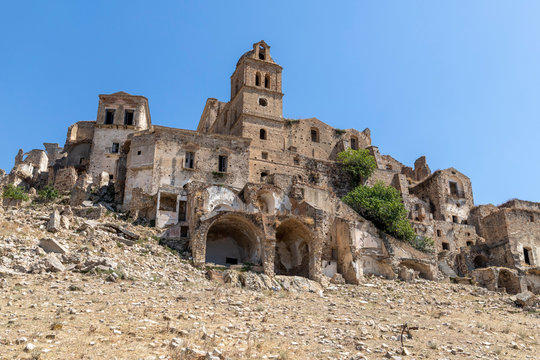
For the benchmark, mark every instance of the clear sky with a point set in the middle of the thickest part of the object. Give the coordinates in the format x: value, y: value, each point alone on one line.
x: 457, y: 81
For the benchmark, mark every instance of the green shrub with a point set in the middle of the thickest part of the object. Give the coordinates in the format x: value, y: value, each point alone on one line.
x: 14, y: 192
x: 358, y: 163
x: 383, y: 206
x: 425, y: 244
x: 48, y: 193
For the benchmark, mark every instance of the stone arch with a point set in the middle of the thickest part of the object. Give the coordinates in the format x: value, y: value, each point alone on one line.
x: 294, y: 249
x: 221, y: 198
x: 233, y: 239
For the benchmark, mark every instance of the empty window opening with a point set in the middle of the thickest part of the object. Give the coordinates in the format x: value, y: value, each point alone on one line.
x: 416, y: 207
x: 264, y: 174
x: 222, y: 164
x: 388, y: 167
x: 109, y: 116
x: 263, y: 102
x: 354, y: 143
x: 190, y: 159
x: 262, y: 134
x: 182, y: 206
x: 439, y: 233
x: 314, y: 134
x: 267, y: 81
x: 527, y: 256
x: 115, y: 147
x: 455, y: 219
x: 296, y: 161
x: 262, y: 52
x: 128, y: 117
x: 257, y: 79
x: 468, y: 234
x: 139, y: 152
x: 469, y: 243
x: 531, y: 219
x: 167, y: 202
x: 445, y: 246
x: 480, y: 261
x: 334, y: 254
x: 453, y: 187
x: 111, y: 177
x: 464, y: 222
x: 264, y: 155
x: 184, y: 231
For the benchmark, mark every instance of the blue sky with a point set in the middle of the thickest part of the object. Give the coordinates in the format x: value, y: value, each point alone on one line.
x: 457, y: 81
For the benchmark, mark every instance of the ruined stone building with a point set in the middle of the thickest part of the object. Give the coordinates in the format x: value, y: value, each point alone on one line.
x: 251, y: 186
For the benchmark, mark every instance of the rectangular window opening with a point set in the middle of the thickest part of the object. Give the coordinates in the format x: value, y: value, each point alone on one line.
x: 222, y: 165
x: 109, y: 116
x: 354, y: 144
x: 167, y: 202
x: 445, y: 246
x: 115, y: 148
x: 455, y: 219
x: 453, y: 187
x: 526, y: 256
x: 264, y: 155
x: 190, y: 160
x: 128, y: 117
x: 182, y: 210
x: 184, y: 231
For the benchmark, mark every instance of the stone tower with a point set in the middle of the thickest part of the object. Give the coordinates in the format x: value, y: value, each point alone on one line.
x: 256, y: 87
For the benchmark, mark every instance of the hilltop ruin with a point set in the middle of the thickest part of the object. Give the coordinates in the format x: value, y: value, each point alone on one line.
x: 250, y: 186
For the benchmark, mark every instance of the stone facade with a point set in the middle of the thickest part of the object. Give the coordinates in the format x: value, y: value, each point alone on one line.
x: 251, y: 187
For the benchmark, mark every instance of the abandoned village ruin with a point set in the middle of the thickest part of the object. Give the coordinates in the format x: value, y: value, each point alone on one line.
x: 250, y: 186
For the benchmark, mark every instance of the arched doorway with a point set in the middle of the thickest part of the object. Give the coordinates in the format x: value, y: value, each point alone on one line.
x: 232, y: 240
x: 293, y: 249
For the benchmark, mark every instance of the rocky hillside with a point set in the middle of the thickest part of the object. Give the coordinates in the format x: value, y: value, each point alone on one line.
x: 88, y: 285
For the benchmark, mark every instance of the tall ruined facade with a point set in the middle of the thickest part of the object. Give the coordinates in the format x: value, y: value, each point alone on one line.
x: 251, y: 186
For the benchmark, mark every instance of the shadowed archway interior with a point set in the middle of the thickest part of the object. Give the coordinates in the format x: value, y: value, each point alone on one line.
x: 293, y: 248
x: 232, y: 240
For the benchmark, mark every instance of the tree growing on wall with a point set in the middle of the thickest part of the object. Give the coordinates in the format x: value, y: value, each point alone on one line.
x: 383, y: 206
x: 360, y: 164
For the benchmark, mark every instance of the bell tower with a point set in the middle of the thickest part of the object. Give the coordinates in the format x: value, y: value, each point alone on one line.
x: 256, y: 84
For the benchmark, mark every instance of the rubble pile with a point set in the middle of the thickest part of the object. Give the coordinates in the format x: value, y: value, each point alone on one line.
x: 77, y: 287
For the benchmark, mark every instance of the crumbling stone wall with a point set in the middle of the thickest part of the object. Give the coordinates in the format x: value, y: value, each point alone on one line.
x: 65, y: 179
